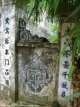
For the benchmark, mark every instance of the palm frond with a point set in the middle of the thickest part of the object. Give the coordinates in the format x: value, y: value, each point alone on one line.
x: 56, y: 4
x: 77, y: 94
x: 75, y: 46
x: 76, y: 11
x: 71, y: 69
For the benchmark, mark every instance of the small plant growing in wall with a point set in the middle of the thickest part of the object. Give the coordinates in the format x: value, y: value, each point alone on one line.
x: 53, y: 38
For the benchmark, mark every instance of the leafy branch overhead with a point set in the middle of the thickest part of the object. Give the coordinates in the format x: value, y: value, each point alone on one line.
x: 53, y: 8
x: 56, y: 8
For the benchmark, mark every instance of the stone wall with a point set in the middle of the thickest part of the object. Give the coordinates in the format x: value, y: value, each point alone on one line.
x: 37, y: 71
x: 15, y: 83
x: 29, y: 69
x: 37, y: 68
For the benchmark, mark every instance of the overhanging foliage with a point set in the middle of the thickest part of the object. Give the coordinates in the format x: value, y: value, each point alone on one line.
x: 58, y: 8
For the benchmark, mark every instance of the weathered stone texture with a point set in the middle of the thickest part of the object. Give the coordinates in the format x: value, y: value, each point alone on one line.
x: 7, y: 30
x: 37, y: 69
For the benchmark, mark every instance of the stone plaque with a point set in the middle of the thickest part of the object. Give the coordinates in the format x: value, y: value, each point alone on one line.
x: 37, y: 70
x: 36, y: 74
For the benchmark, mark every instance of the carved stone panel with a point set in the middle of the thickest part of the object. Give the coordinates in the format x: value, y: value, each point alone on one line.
x: 37, y: 71
x: 36, y: 74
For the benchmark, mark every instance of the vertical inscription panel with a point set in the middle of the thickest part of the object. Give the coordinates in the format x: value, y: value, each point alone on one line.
x: 64, y: 84
x: 36, y: 69
x: 7, y: 49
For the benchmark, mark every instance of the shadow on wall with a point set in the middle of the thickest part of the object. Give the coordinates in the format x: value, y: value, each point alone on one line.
x: 55, y: 104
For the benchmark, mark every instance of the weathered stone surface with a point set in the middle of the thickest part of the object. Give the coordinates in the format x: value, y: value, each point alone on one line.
x: 37, y: 69
x: 6, y: 2
x: 25, y: 34
x: 64, y: 84
x: 7, y: 51
x: 38, y: 45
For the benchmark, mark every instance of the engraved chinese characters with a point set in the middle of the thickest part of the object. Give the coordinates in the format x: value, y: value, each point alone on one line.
x: 7, y: 50
x: 36, y: 74
x: 7, y: 44
x: 65, y: 63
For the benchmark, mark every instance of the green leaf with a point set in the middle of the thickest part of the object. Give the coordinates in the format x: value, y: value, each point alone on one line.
x: 70, y: 72
x: 56, y: 3
x: 42, y: 4
x: 23, y: 3
x: 74, y: 50
x: 71, y: 34
x: 74, y: 30
x: 73, y: 95
x: 17, y: 4
x: 31, y: 6
x: 78, y: 44
x: 53, y: 38
x: 66, y: 45
x: 74, y: 12
x: 54, y: 28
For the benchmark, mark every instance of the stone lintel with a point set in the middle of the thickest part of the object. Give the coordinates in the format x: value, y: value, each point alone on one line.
x: 37, y: 44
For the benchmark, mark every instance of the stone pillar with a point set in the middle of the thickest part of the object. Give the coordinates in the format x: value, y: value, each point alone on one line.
x: 7, y: 50
x: 64, y: 85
